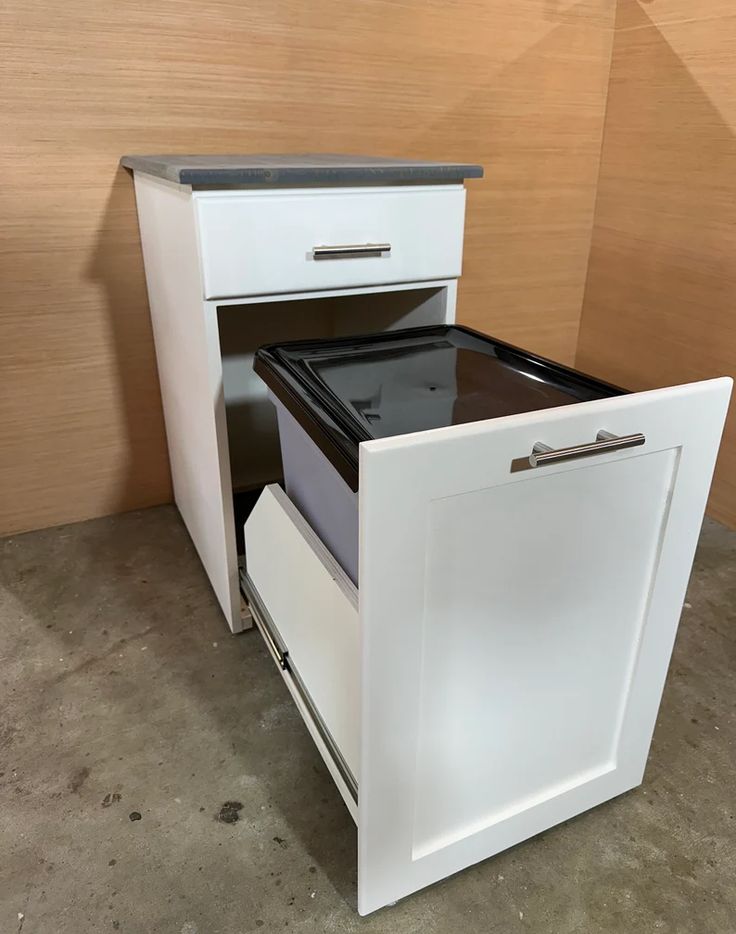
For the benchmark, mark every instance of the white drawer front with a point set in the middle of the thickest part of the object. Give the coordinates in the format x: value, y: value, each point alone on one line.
x: 517, y: 623
x: 257, y: 243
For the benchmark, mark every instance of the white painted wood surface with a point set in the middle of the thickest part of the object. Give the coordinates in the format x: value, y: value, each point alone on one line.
x: 190, y: 374
x: 261, y: 242
x: 516, y: 627
x: 314, y: 608
x: 450, y: 285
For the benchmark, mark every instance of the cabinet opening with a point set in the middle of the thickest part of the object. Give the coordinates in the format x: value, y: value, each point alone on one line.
x: 253, y: 442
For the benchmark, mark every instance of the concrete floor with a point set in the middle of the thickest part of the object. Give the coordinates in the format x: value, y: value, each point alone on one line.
x: 122, y: 692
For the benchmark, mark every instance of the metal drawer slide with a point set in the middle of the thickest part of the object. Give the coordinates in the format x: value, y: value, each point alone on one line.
x: 280, y: 654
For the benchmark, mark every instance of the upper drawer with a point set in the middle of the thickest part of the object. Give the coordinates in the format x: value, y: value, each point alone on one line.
x: 255, y: 243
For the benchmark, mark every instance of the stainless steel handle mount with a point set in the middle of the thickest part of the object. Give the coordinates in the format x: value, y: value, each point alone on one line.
x: 350, y: 250
x: 605, y: 442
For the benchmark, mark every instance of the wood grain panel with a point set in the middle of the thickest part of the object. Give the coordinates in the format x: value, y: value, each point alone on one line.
x: 661, y: 292
x: 518, y: 87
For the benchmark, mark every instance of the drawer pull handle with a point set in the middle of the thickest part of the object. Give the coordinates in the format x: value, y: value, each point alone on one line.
x: 605, y: 441
x: 348, y: 250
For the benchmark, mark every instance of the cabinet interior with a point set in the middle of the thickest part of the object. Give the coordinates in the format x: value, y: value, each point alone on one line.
x: 255, y: 456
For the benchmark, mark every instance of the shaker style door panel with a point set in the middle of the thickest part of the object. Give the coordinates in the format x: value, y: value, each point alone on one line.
x: 517, y: 619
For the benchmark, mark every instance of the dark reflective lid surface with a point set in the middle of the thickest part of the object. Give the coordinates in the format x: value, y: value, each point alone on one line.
x: 398, y: 382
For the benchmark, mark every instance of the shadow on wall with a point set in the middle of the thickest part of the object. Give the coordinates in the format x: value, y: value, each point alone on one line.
x: 539, y: 119
x: 661, y: 287
x: 117, y: 265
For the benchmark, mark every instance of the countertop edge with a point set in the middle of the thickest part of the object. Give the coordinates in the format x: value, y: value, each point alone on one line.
x: 304, y: 175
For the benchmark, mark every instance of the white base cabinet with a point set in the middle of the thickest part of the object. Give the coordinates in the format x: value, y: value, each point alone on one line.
x: 501, y: 666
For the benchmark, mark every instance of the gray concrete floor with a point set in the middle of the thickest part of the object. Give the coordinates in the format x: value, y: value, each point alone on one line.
x: 122, y: 692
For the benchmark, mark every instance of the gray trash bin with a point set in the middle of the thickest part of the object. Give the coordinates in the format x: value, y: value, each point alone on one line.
x: 331, y: 395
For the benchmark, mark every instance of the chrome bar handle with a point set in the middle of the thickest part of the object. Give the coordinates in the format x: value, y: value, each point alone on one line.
x: 347, y: 250
x: 605, y: 441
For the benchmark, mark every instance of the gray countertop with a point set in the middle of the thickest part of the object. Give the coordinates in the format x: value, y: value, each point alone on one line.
x: 298, y: 169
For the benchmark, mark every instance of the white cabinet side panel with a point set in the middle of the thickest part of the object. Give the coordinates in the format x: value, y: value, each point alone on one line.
x: 188, y: 356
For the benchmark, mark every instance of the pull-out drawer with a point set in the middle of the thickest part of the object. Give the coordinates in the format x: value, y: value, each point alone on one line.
x: 266, y: 242
x: 521, y: 580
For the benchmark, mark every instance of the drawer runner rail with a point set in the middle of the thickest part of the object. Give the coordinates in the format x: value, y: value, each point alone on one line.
x: 280, y: 655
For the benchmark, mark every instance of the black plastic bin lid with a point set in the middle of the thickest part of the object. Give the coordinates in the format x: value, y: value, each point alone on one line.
x: 346, y: 390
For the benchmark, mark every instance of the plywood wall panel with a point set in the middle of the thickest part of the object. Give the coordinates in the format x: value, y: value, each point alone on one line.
x: 660, y: 303
x: 518, y: 87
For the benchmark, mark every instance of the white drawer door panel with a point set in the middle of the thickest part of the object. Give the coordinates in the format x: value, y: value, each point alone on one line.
x: 255, y: 243
x: 517, y: 624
